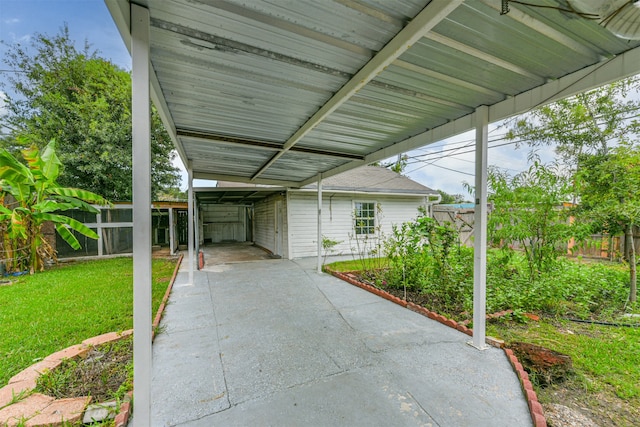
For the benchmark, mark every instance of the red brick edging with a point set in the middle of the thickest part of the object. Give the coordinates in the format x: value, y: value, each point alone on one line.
x: 535, y: 408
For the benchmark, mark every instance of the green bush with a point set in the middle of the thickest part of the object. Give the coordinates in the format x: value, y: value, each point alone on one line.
x: 424, y: 257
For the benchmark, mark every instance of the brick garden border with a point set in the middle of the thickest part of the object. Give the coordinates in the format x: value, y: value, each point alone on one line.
x: 535, y: 408
x: 25, y: 381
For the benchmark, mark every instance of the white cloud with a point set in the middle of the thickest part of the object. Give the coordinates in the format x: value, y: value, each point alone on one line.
x: 19, y: 39
x: 11, y: 21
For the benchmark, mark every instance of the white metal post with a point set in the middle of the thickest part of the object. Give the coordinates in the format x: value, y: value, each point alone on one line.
x: 196, y: 231
x: 99, y: 231
x: 319, y: 223
x: 480, y: 233
x: 141, y: 133
x: 172, y: 231
x: 190, y: 226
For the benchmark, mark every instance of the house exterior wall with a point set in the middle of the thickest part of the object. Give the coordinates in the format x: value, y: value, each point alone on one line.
x: 223, y: 223
x: 337, y: 219
x: 265, y: 225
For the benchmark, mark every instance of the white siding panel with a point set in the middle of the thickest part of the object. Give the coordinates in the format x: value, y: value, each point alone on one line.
x: 223, y: 223
x: 337, y: 219
x: 264, y: 223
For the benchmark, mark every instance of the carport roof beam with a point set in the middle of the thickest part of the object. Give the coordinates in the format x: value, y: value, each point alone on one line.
x: 267, y: 145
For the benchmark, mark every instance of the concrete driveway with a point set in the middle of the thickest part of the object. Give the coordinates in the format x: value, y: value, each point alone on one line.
x: 227, y: 253
x: 272, y: 342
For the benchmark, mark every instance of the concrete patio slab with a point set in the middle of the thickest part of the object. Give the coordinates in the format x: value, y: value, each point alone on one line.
x: 273, y: 342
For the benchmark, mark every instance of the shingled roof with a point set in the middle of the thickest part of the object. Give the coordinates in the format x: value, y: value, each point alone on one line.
x: 373, y: 179
x: 366, y: 179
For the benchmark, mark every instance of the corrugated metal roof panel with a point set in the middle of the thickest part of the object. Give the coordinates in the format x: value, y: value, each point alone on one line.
x: 251, y: 74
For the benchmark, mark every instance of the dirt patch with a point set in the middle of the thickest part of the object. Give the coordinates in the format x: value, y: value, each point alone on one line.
x: 601, y: 409
x: 103, y: 374
x: 545, y: 367
x: 429, y: 301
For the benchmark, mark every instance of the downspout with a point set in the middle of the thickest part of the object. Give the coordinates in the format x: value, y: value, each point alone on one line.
x: 429, y: 202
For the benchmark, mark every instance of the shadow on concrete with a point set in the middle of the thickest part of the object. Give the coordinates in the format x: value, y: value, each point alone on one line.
x: 275, y: 343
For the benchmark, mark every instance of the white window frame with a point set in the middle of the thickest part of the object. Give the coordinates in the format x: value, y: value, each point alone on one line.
x: 370, y: 228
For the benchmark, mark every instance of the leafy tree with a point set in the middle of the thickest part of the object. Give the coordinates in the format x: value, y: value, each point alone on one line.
x: 56, y: 91
x: 591, y: 134
x: 398, y: 165
x: 527, y: 211
x: 172, y: 194
x: 35, y: 199
x: 588, y: 123
x: 610, y: 189
x: 449, y: 199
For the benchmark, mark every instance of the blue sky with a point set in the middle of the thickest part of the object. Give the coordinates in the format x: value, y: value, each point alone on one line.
x: 87, y: 19
x: 90, y: 20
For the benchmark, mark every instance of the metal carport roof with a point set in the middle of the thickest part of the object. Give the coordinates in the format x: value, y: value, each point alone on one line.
x: 279, y: 92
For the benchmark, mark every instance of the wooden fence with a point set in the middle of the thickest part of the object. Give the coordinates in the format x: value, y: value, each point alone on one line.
x: 599, y: 246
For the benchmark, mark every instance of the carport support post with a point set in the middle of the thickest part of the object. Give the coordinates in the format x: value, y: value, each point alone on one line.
x: 196, y: 232
x: 172, y: 230
x: 141, y: 134
x: 190, y: 227
x: 480, y: 233
x: 319, y: 223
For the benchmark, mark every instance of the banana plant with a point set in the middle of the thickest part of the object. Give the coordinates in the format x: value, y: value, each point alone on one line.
x: 35, y: 198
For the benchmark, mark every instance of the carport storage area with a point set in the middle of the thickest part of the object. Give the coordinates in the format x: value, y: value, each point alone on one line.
x: 225, y: 223
x: 270, y: 225
x: 242, y: 214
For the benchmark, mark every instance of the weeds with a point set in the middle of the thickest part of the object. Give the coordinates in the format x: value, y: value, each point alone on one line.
x: 327, y: 246
x: 17, y: 397
x: 105, y: 374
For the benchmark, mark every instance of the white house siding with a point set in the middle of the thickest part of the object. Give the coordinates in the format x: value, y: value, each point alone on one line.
x: 223, y: 223
x: 264, y: 225
x: 337, y: 218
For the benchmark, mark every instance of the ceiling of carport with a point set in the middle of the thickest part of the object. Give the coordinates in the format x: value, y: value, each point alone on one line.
x: 235, y: 195
x: 278, y: 92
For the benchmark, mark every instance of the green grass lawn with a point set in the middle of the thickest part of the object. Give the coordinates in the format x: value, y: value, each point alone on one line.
x: 49, y: 311
x: 606, y: 363
x: 357, y: 264
x: 603, y: 354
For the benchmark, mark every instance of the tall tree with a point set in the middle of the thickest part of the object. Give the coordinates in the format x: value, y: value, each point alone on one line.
x: 610, y: 189
x: 527, y: 210
x: 56, y: 91
x: 593, y: 134
x: 588, y: 123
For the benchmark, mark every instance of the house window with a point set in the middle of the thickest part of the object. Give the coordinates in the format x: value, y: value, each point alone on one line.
x: 365, y: 218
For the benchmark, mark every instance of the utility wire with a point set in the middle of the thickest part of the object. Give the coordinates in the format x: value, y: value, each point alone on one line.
x: 426, y: 156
